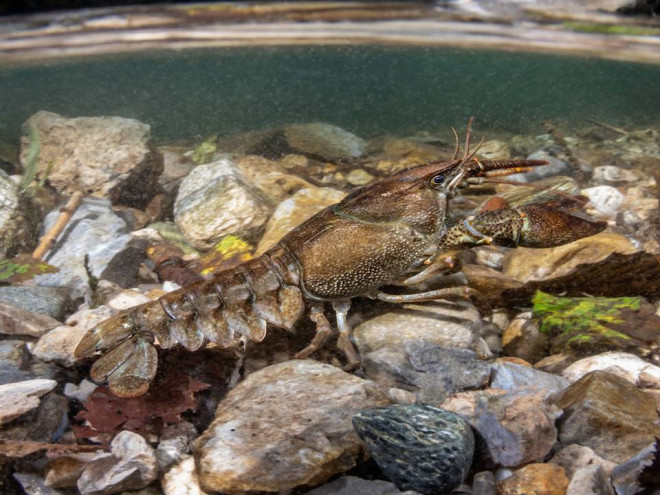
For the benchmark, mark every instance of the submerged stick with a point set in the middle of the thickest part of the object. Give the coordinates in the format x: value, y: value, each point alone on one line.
x: 49, y: 237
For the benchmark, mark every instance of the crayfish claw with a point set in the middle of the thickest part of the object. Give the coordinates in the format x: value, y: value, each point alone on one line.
x: 133, y: 377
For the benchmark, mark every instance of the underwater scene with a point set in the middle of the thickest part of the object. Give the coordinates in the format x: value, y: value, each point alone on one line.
x: 394, y: 262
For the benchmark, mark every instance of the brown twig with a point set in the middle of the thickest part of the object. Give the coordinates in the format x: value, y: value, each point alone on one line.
x: 610, y: 127
x: 65, y: 215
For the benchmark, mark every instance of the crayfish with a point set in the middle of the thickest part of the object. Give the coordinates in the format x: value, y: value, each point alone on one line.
x: 393, y: 232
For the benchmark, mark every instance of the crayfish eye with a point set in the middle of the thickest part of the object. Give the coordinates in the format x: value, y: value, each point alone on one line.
x: 437, y: 180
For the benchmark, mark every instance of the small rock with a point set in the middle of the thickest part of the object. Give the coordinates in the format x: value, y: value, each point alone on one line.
x: 495, y: 150
x: 522, y: 339
x: 419, y: 448
x: 490, y: 256
x: 15, y: 228
x: 555, y: 363
x: 590, y: 480
x: 554, y: 167
x: 605, y: 199
x: 548, y: 479
x: 182, y: 479
x: 65, y: 471
x: 608, y: 414
x: 325, y: 140
x: 131, y: 465
x: 350, y: 485
x: 611, y: 175
x: 445, y: 325
x: 634, y: 369
x: 574, y: 457
x: 106, y: 156
x: 359, y: 177
x: 17, y: 321
x: 175, y: 168
x: 96, y: 231
x: 33, y: 484
x: 284, y: 426
x: 174, y: 444
x: 59, y: 344
x: 512, y: 377
x: 13, y: 360
x: 526, y: 264
x: 126, y: 299
x: 517, y: 427
x: 50, y: 301
x: 20, y: 397
x: 79, y: 392
x: 213, y: 201
x: 483, y: 483
x: 293, y: 211
x: 523, y: 144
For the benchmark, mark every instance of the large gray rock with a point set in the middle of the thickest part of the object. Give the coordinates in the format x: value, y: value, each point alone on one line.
x: 512, y: 377
x: 325, y: 141
x: 94, y: 230
x: 17, y: 321
x: 285, y: 426
x: 105, y: 156
x: 15, y: 228
x: 215, y: 201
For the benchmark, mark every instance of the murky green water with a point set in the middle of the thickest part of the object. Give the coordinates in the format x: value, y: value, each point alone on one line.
x: 367, y: 89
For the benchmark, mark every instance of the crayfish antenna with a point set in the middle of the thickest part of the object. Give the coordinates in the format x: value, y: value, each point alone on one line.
x: 457, y: 146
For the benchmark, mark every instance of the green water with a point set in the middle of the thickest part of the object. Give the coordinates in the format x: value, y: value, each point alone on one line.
x: 366, y: 89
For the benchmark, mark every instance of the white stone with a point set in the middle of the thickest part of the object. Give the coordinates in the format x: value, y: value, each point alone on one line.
x: 182, y: 479
x: 18, y: 398
x: 634, y: 369
x: 79, y: 392
x: 610, y: 173
x: 606, y: 199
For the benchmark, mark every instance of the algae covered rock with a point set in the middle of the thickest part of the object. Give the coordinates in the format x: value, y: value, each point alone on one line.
x: 325, y: 140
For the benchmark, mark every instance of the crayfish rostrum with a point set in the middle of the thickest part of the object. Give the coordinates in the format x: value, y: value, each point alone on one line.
x: 393, y: 232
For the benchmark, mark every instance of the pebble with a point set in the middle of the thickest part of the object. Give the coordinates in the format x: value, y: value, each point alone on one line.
x: 633, y: 368
x: 213, y: 201
x: 605, y: 199
x: 609, y: 414
x: 175, y: 443
x: 512, y: 377
x: 611, y: 175
x: 59, y: 344
x: 420, y: 448
x: 284, y: 426
x: 325, y: 141
x: 33, y: 484
x: 106, y: 156
x: 182, y: 479
x: 359, y: 177
x: 590, y: 480
x: 268, y: 179
x: 96, y: 231
x: 546, y: 479
x: 17, y: 321
x: 50, y: 301
x: 574, y: 457
x: 522, y: 339
x: 131, y: 465
x: 20, y: 397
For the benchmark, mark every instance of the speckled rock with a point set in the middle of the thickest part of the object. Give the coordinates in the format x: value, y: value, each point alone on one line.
x: 94, y: 230
x: 131, y: 464
x: 522, y: 339
x: 419, y: 448
x: 284, y: 426
x: 293, y: 211
x: 608, y: 414
x: 51, y: 301
x: 546, y: 479
x: 17, y: 321
x: 20, y: 397
x: 106, y: 156
x: 325, y: 140
x: 213, y: 201
x: 527, y: 264
x: 628, y: 366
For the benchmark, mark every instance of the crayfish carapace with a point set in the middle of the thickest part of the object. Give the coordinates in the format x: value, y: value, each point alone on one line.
x: 377, y: 236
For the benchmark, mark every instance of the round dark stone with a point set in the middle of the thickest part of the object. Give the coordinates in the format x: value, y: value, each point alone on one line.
x: 421, y: 448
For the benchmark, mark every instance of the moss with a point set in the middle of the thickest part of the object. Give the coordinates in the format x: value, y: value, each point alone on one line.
x: 589, y: 27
